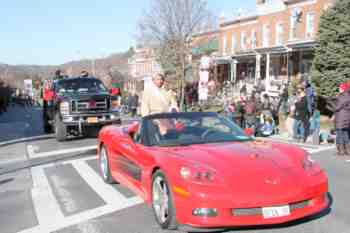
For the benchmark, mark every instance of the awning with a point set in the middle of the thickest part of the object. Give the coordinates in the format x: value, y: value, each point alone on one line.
x: 302, y: 45
x: 208, y: 47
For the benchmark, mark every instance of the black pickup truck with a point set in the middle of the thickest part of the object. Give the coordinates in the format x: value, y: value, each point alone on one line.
x: 79, y: 103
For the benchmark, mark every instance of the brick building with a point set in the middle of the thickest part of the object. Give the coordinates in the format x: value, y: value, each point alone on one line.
x: 142, y: 66
x: 274, y: 43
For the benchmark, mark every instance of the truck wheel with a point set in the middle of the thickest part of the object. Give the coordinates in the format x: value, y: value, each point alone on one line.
x: 60, y: 129
x: 47, y: 126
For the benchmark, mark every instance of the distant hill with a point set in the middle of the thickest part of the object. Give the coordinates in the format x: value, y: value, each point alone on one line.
x: 114, y: 66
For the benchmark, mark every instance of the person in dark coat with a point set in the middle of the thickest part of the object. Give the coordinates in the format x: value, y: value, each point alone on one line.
x: 342, y: 120
x: 133, y: 102
x: 301, y: 116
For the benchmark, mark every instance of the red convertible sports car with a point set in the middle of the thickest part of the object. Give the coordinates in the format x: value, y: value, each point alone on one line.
x: 199, y: 171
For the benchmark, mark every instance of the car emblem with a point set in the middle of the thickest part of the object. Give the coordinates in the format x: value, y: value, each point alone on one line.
x: 272, y: 181
x: 92, y: 104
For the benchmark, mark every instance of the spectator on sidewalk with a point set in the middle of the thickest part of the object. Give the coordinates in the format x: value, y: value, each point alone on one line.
x: 315, y: 126
x: 301, y: 123
x: 342, y: 120
x: 133, y: 102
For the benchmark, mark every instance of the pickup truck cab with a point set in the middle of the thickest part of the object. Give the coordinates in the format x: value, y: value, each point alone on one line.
x: 77, y: 103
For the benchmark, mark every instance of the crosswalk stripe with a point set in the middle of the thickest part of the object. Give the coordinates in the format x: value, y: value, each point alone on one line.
x: 48, y: 212
x: 32, y: 154
x: 46, y: 207
x: 81, y: 217
x: 106, y: 192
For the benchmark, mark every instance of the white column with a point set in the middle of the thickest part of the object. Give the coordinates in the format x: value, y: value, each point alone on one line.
x: 233, y: 70
x: 257, y: 67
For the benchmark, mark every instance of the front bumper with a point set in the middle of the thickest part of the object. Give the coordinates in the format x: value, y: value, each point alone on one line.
x: 233, y: 213
x: 92, y: 119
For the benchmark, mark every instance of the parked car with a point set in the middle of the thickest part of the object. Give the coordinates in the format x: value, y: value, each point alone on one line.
x: 76, y: 104
x: 200, y: 171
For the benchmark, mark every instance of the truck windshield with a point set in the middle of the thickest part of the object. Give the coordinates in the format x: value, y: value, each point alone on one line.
x: 79, y: 85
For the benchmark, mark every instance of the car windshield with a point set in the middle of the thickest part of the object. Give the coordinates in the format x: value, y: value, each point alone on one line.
x: 80, y: 85
x: 191, y: 128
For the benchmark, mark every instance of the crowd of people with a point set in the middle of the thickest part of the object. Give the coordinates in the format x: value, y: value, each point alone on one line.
x: 13, y: 96
x: 294, y: 112
x: 5, y: 96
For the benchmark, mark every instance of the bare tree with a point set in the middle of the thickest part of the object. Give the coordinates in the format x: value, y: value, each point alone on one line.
x: 168, y: 27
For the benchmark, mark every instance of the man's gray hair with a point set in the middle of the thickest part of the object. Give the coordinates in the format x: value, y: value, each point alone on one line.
x: 160, y: 75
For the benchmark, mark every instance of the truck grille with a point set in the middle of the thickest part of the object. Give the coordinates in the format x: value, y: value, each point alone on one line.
x: 89, y: 106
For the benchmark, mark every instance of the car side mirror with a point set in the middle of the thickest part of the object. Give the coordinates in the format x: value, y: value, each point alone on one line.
x: 133, y: 128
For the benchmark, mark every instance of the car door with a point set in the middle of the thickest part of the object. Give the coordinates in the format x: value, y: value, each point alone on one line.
x: 130, y: 161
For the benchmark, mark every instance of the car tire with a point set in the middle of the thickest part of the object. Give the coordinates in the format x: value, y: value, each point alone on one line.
x: 104, y: 166
x: 60, y: 129
x: 163, y: 202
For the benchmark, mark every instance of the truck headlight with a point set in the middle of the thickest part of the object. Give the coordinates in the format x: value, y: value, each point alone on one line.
x: 64, y: 108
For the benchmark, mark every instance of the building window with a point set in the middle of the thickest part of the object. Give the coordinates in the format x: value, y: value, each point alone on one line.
x: 253, y: 39
x: 310, y: 24
x: 279, y: 33
x: 295, y: 19
x: 266, y: 35
x: 224, y: 45
x: 243, y: 40
x: 234, y: 44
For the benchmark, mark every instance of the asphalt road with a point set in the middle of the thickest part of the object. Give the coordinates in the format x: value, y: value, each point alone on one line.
x: 46, y: 186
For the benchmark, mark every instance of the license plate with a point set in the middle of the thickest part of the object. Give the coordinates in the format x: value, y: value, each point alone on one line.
x: 275, y: 212
x: 92, y: 120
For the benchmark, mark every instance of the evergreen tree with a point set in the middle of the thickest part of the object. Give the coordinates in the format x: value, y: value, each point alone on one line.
x: 331, y: 65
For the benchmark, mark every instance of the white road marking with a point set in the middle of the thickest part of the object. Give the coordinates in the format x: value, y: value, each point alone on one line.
x: 80, y: 159
x: 31, y: 150
x: 63, y: 151
x: 82, y: 217
x: 320, y: 149
x: 46, y: 207
x: 106, y: 192
x: 50, y: 217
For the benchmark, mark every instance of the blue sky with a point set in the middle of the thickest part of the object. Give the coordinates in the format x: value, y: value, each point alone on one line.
x: 48, y: 32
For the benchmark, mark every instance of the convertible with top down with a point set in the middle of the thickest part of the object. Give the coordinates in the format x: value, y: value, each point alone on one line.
x: 200, y: 171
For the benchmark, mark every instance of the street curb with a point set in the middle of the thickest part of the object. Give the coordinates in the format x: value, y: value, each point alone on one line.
x: 17, y: 166
x: 29, y: 139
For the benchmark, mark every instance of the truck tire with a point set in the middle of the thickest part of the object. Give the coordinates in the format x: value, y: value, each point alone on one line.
x: 60, y: 129
x: 46, y: 119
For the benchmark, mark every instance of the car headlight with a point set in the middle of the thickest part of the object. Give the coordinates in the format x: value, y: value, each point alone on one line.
x: 198, y: 174
x: 310, y: 166
x: 64, y: 108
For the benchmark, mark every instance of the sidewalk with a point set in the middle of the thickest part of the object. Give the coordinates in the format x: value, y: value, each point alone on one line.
x: 20, y: 122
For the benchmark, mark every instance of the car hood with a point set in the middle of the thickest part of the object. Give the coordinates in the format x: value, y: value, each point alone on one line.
x: 251, y: 170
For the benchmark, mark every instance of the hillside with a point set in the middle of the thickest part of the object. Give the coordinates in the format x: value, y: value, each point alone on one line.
x: 115, y: 66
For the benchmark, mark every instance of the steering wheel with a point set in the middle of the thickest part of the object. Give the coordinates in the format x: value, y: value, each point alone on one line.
x: 208, y: 132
